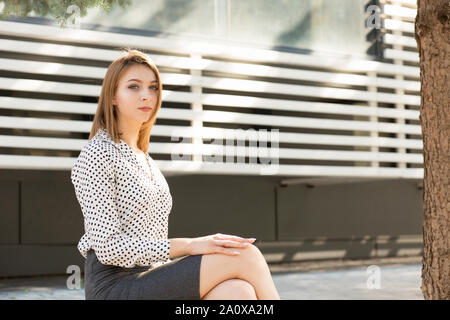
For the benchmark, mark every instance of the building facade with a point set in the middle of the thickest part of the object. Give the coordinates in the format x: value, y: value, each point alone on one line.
x: 294, y: 122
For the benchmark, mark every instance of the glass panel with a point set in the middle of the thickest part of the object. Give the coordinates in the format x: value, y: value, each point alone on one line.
x: 321, y: 25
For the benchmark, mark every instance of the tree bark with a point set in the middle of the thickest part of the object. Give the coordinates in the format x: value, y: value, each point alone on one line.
x: 432, y: 33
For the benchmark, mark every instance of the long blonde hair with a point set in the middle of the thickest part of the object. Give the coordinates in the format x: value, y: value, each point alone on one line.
x: 106, y: 115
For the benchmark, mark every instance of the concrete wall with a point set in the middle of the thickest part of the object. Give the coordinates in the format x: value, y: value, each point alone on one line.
x: 41, y: 220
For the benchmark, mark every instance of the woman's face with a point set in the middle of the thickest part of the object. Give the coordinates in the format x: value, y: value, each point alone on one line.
x: 137, y: 88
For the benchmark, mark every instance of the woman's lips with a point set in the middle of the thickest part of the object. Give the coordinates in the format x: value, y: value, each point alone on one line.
x: 145, y: 109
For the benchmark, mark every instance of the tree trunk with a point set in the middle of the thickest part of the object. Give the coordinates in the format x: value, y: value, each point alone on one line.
x: 432, y: 33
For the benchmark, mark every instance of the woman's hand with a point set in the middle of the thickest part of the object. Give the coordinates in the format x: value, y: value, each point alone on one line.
x: 218, y: 243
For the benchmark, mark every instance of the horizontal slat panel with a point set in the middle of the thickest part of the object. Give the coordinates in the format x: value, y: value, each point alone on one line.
x: 398, y: 25
x: 190, y: 47
x: 285, y: 153
x: 63, y: 50
x: 49, y: 87
x: 219, y: 99
x: 26, y: 142
x: 180, y: 166
x: 51, y: 68
x: 229, y: 84
x: 194, y: 64
x: 221, y: 117
x: 48, y: 68
x: 45, y: 124
x: 47, y: 105
x: 252, y: 62
x: 176, y: 148
x: 401, y: 55
x: 282, y: 121
x: 400, y: 40
x: 408, y: 3
x: 217, y: 134
x: 399, y: 11
x: 291, y: 137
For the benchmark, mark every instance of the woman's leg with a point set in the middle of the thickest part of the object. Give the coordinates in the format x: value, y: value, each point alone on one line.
x: 250, y: 266
x: 232, y: 289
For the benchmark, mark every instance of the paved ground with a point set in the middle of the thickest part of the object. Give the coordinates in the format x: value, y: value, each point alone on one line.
x: 396, y: 278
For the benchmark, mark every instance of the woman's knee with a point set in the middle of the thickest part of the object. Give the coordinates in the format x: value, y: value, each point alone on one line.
x: 252, y: 255
x: 235, y: 289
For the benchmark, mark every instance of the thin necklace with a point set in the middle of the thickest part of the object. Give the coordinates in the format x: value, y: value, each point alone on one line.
x: 146, y: 158
x: 151, y: 171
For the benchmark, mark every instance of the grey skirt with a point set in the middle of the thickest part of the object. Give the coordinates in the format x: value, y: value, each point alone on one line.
x: 176, y: 280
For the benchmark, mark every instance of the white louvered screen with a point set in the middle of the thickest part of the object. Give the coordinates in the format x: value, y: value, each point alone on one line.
x: 335, y: 116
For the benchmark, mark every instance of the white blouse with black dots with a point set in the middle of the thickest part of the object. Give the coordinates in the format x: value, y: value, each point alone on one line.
x: 125, y: 210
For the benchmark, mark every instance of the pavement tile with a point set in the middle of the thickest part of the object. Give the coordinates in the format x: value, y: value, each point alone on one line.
x: 398, y: 281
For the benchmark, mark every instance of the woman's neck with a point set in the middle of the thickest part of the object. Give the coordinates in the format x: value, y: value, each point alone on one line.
x: 130, y: 134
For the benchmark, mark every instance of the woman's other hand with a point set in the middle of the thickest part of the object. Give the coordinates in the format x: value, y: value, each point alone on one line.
x: 218, y: 243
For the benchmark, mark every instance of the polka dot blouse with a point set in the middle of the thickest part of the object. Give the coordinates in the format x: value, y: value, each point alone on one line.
x: 125, y: 204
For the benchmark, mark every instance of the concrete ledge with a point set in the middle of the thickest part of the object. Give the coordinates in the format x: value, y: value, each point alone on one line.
x: 33, y: 260
x: 329, y: 265
x: 341, y: 249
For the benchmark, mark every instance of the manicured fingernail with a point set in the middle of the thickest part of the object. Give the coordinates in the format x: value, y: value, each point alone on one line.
x: 252, y: 239
x: 236, y: 252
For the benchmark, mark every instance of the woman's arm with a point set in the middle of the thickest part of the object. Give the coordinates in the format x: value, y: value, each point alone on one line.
x: 179, y: 247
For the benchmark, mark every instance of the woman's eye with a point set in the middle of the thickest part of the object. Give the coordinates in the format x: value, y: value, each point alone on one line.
x: 134, y: 86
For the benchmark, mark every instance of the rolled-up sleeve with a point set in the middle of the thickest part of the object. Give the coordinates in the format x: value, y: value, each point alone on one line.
x: 93, y: 178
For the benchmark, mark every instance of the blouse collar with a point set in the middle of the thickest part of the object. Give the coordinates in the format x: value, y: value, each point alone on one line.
x: 122, y: 146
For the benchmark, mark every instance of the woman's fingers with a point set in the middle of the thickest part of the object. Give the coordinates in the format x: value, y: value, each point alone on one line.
x: 234, y: 238
x: 230, y: 243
